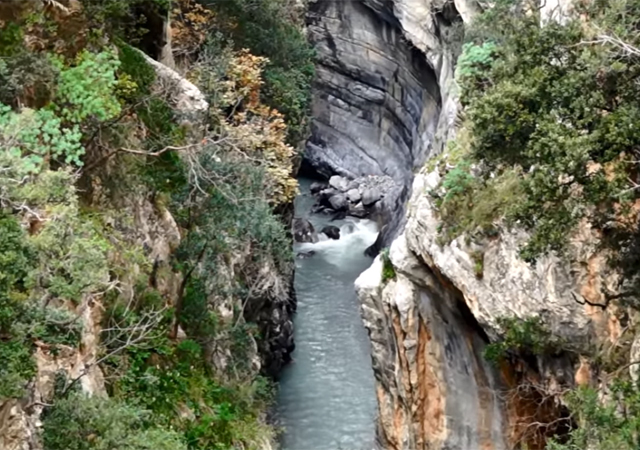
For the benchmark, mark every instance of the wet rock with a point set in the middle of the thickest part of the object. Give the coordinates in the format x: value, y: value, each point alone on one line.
x: 358, y: 210
x: 339, y: 183
x: 303, y: 231
x: 305, y: 255
x: 339, y: 216
x: 317, y: 186
x: 371, y: 196
x: 318, y: 209
x: 325, y: 195
x: 331, y: 231
x: 339, y: 202
x: 353, y: 185
x: 354, y: 195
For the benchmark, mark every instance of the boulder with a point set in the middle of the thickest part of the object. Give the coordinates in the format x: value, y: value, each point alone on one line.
x: 371, y: 196
x: 353, y: 185
x: 305, y: 255
x: 354, y: 195
x: 339, y: 183
x: 317, y: 186
x: 325, y: 195
x: 331, y: 231
x: 303, y: 231
x: 318, y: 209
x: 339, y: 202
x: 340, y: 215
x: 358, y: 210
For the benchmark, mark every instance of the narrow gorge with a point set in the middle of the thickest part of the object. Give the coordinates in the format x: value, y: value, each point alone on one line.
x: 319, y: 225
x: 387, y: 103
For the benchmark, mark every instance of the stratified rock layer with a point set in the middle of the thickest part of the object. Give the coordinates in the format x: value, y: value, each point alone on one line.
x: 385, y: 102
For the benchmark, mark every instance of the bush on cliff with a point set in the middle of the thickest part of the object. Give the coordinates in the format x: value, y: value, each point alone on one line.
x: 551, y: 110
x: 556, y: 104
x: 94, y: 149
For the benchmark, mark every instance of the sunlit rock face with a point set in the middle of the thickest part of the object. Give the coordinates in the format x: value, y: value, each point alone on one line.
x: 377, y: 99
x: 385, y: 101
x: 383, y: 97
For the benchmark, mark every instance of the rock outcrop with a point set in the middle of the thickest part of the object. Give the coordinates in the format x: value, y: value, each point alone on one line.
x: 429, y: 327
x: 385, y: 102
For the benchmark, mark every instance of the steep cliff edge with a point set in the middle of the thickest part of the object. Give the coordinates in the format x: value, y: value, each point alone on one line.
x: 382, y: 100
x: 431, y: 323
x: 386, y: 102
x: 436, y: 307
x: 146, y: 295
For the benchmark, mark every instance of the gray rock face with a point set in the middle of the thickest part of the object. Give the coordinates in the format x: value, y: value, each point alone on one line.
x: 331, y: 231
x: 435, y: 390
x: 377, y: 101
x: 339, y: 202
x: 317, y: 186
x: 303, y: 231
x: 339, y: 183
x: 370, y: 196
x: 382, y: 98
x: 354, y: 195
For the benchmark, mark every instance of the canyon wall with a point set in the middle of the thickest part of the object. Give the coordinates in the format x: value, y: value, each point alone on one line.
x: 383, y: 101
x: 386, y: 102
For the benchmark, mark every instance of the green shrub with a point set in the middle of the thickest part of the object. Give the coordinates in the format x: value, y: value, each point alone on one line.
x: 134, y: 65
x: 521, y: 338
x: 15, y: 350
x: 540, y: 100
x: 94, y: 423
x: 388, y: 272
x: 610, y: 424
x: 269, y: 28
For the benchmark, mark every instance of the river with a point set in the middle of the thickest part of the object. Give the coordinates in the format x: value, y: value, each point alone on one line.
x: 326, y: 399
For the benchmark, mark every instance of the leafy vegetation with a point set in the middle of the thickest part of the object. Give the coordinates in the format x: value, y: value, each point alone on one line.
x: 388, y: 272
x: 549, y: 140
x: 521, y: 338
x: 602, y: 424
x: 97, y: 166
x: 272, y: 29
x: 94, y: 423
x: 549, y: 111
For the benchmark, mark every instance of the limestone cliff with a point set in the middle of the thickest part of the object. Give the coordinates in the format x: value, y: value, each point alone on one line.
x: 385, y: 103
x: 141, y: 221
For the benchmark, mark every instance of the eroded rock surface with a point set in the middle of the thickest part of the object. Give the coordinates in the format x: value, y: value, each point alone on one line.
x: 385, y: 102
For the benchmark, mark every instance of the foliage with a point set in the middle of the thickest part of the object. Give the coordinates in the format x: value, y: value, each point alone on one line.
x: 126, y: 19
x: 388, y: 272
x: 173, y: 382
x: 521, y: 337
x: 249, y: 129
x: 25, y: 76
x: 22, y: 321
x: 610, y: 425
x: 64, y: 245
x: 552, y: 109
x: 93, y: 423
x: 272, y: 29
x: 17, y: 366
x: 474, y: 60
x: 85, y: 90
x: 471, y: 204
x: 191, y: 24
x: 135, y: 66
x: 478, y: 263
x: 225, y: 218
